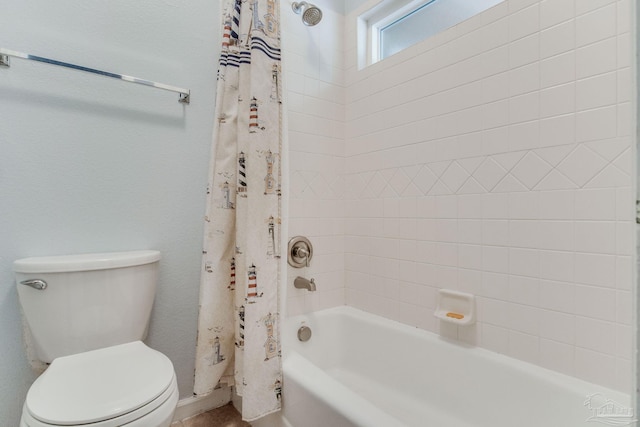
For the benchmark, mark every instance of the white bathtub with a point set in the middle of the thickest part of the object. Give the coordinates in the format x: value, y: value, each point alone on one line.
x: 363, y: 370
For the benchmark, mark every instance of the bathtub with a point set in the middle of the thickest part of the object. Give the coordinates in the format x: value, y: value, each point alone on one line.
x: 362, y: 370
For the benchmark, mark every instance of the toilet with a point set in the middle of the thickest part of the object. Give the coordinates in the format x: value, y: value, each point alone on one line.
x: 87, y: 316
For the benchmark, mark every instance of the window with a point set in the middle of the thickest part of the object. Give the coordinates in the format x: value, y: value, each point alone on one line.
x: 395, y: 25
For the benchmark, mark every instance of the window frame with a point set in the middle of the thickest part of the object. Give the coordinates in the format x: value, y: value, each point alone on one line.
x: 381, y: 14
x: 374, y: 20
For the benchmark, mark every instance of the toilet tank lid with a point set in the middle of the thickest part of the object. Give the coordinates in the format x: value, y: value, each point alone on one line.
x: 85, y: 262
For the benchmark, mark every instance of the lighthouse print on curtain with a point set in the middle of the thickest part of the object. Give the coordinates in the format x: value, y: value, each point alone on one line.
x: 239, y: 306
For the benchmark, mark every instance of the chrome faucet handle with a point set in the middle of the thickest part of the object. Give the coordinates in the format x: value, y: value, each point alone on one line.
x: 300, y: 252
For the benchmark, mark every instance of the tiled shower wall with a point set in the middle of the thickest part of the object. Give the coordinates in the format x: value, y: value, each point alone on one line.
x: 494, y: 158
x: 314, y: 82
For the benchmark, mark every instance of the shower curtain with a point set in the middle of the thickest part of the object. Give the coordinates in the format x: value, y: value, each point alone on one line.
x: 238, y: 324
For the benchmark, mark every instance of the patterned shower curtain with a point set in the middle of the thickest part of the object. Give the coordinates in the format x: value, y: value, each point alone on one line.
x: 239, y: 306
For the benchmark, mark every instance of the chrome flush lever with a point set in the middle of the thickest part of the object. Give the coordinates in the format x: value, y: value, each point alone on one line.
x: 38, y: 284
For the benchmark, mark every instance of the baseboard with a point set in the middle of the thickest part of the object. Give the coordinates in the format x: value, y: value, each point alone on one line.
x: 194, y: 405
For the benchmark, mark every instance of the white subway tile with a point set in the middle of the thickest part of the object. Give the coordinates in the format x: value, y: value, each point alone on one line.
x: 495, y: 114
x: 446, y: 207
x: 596, y: 335
x: 595, y: 269
x: 624, y: 47
x: 598, y: 91
x: 495, y: 338
x: 495, y: 285
x: 524, y: 290
x: 494, y: 312
x: 446, y: 277
x: 426, y: 274
x: 470, y: 256
x: 495, y: 232
x: 524, y: 318
x: 524, y: 22
x: 446, y: 230
x: 524, y: 79
x: 524, y: 262
x: 596, y: 58
x: 470, y: 281
x: 495, y: 87
x: 595, y: 204
x: 495, y: 140
x: 558, y: 100
x: 524, y: 51
x: 623, y: 380
x: 525, y: 205
x: 596, y: 237
x: 596, y: 302
x: 595, y: 26
x: 553, y: 12
x: 585, y: 6
x: 495, y: 259
x: 624, y: 305
x: 558, y: 266
x: 625, y: 16
x: 624, y: 341
x: 624, y: 272
x: 625, y: 123
x: 557, y: 130
x: 558, y: 326
x: 524, y: 108
x: 447, y: 254
x: 558, y: 235
x: 557, y: 205
x: 414, y: 315
x: 413, y: 293
x: 524, y: 234
x: 624, y: 237
x: 558, y: 69
x: 557, y: 296
x: 470, y: 231
x: 495, y: 206
x: 425, y: 251
x: 595, y: 367
x: 524, y: 347
x: 558, y: 39
x: 557, y: 356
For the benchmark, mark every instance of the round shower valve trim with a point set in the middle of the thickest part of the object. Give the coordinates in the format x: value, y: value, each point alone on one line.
x: 300, y: 252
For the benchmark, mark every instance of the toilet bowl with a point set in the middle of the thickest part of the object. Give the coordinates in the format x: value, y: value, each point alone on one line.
x: 126, y: 385
x: 87, y: 315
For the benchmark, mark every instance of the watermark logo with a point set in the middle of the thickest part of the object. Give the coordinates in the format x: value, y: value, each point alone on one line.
x: 607, y: 411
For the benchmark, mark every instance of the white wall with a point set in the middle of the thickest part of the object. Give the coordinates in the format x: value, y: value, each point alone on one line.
x: 93, y: 164
x: 495, y: 158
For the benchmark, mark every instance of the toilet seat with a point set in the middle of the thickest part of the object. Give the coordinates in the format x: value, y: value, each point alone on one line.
x: 108, y: 387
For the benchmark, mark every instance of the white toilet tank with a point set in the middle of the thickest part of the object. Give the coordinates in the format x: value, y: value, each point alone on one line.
x: 90, y: 301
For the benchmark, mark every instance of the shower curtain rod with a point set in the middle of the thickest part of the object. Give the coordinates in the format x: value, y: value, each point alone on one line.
x: 185, y: 94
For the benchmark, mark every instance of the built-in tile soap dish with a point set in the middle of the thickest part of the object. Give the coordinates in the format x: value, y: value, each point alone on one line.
x: 456, y: 307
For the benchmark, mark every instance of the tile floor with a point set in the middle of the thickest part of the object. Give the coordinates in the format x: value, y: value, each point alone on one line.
x: 225, y: 416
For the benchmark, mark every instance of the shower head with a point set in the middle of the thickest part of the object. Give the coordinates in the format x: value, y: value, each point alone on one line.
x: 311, y: 14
